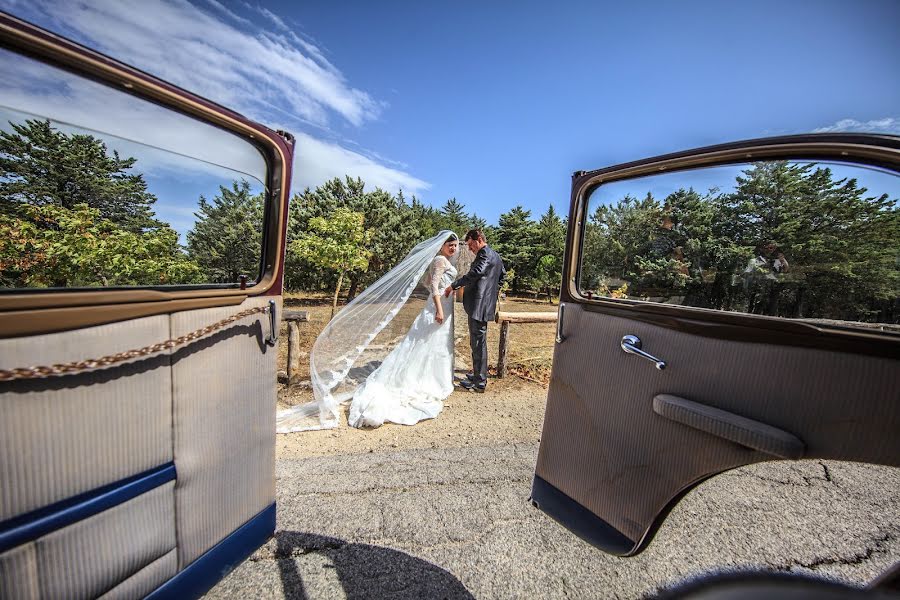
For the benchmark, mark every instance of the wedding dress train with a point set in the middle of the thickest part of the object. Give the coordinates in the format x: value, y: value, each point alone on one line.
x: 414, y: 375
x: 414, y: 379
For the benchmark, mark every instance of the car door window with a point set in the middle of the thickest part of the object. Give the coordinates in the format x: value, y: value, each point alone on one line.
x: 100, y: 189
x: 791, y: 239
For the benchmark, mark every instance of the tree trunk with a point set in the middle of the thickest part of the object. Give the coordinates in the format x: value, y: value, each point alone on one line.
x: 337, y: 290
x: 549, y: 294
x: 354, y: 287
x: 800, y: 307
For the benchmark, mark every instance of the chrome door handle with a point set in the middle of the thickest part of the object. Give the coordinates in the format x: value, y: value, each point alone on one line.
x: 631, y: 344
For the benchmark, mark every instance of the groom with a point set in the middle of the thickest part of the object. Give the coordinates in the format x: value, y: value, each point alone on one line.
x: 482, y: 284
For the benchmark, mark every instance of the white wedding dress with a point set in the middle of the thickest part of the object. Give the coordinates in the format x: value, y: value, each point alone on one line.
x: 415, y: 378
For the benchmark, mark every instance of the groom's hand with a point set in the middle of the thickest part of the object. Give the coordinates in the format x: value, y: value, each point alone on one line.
x: 448, y: 291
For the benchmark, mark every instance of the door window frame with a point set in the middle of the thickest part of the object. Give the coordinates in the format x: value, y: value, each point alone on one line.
x: 871, y: 150
x: 33, y: 311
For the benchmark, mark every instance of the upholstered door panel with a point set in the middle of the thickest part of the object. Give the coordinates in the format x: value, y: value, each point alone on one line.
x: 73, y: 439
x: 62, y: 436
x: 606, y: 445
x: 146, y: 580
x: 224, y: 401
x: 93, y: 556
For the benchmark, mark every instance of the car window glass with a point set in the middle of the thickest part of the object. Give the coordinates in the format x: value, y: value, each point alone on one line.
x: 99, y: 188
x: 797, y: 240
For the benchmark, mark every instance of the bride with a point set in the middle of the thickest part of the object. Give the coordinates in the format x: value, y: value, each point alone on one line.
x: 387, y: 379
x: 412, y: 382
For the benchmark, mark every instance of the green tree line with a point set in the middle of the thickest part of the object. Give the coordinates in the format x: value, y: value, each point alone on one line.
x: 790, y: 240
x: 72, y: 213
x: 396, y: 224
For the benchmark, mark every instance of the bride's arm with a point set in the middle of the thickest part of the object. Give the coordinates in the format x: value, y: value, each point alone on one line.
x: 438, y: 267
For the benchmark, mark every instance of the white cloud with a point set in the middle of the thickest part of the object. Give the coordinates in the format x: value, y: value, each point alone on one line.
x: 158, y: 138
x: 273, y: 18
x: 270, y: 76
x: 196, y: 50
x: 228, y: 12
x: 317, y: 161
x: 887, y: 125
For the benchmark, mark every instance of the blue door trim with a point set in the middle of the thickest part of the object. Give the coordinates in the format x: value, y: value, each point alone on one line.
x: 217, y: 562
x: 32, y: 525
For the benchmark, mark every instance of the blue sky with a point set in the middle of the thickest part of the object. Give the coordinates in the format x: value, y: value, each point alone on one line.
x: 497, y: 103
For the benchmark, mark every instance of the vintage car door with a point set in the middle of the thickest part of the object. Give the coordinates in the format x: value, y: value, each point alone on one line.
x: 721, y: 307
x: 137, y: 377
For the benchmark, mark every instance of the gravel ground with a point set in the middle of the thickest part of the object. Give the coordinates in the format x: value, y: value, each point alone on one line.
x: 439, y: 510
x: 512, y: 411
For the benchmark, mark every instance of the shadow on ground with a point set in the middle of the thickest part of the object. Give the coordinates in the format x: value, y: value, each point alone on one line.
x: 363, y: 570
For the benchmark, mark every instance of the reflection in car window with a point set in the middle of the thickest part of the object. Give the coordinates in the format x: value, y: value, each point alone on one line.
x: 99, y: 188
x: 786, y: 239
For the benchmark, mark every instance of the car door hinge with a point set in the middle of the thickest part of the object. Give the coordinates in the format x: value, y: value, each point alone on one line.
x: 287, y: 137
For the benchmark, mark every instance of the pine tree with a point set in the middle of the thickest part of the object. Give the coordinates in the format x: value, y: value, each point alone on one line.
x: 425, y: 219
x: 226, y: 240
x: 475, y: 222
x: 454, y: 217
x: 615, y: 234
x: 551, y: 241
x: 840, y: 242
x: 40, y: 165
x: 517, y: 243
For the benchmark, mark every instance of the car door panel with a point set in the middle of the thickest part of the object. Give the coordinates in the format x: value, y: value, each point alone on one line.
x: 600, y: 405
x: 151, y: 471
x: 623, y: 441
x: 206, y: 409
x: 223, y: 396
x: 93, y: 554
x: 147, y: 579
x: 116, y: 421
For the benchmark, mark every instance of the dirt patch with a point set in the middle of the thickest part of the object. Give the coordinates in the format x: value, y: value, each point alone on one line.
x: 512, y: 409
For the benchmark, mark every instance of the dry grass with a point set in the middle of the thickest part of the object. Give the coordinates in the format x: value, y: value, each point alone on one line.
x: 511, y: 411
x: 530, y: 344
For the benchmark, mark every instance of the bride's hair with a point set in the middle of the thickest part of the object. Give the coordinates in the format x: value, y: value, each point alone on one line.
x: 453, y: 238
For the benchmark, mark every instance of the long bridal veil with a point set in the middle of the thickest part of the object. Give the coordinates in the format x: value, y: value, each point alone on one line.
x: 347, y: 350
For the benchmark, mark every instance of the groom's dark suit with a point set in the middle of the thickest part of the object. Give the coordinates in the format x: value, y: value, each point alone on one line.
x: 482, y: 285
